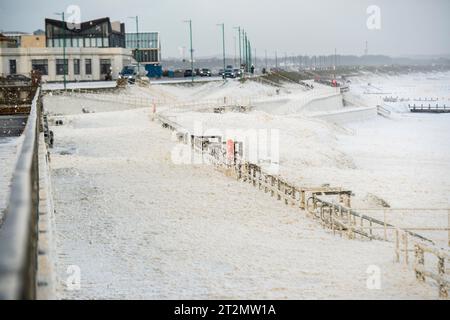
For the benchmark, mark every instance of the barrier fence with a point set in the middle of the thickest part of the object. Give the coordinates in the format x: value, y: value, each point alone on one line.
x: 18, y: 232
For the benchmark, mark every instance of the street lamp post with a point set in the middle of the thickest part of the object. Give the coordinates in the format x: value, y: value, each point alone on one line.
x: 276, y: 60
x: 240, y: 46
x: 265, y: 58
x: 246, y: 52
x: 137, y: 42
x: 64, y: 47
x: 223, y: 47
x: 255, y: 59
x: 192, y: 50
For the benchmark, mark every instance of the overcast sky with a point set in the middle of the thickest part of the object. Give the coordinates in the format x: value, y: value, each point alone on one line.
x: 408, y: 27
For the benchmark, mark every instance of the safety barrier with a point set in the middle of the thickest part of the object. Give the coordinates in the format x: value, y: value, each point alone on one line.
x: 440, y: 258
x: 19, y: 232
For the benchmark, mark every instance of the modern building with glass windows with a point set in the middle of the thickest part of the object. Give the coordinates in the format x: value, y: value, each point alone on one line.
x: 146, y: 47
x: 95, y: 50
x: 100, y: 33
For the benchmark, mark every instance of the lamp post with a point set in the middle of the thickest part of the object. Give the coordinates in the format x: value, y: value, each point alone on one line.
x: 137, y: 42
x: 64, y: 47
x: 223, y: 47
x: 265, y: 58
x: 255, y: 59
x: 240, y: 46
x: 192, y: 50
x: 245, y: 51
x: 276, y: 60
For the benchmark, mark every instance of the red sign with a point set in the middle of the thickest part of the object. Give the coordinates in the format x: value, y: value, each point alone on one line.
x: 230, y: 150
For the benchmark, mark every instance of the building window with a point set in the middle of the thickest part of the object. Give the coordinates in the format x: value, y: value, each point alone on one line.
x: 88, y: 64
x: 12, y: 67
x: 105, y: 66
x: 41, y: 66
x: 76, y: 66
x: 61, y: 67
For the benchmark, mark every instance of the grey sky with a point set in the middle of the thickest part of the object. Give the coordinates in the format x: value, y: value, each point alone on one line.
x: 293, y: 26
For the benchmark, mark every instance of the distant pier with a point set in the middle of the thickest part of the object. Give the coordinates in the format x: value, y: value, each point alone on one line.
x: 429, y: 108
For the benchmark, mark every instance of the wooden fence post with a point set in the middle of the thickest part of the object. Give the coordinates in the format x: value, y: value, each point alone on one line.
x: 405, y: 237
x: 441, y: 271
x: 420, y: 263
x: 259, y: 178
x: 302, y: 199
x: 361, y: 222
x: 286, y: 192
x: 272, y: 184
x: 397, y: 246
x: 279, y: 189
x: 294, y: 197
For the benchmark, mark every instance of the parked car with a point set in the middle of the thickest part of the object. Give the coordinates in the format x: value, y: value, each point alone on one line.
x: 132, y: 72
x: 17, y: 77
x: 188, y: 73
x: 205, y: 73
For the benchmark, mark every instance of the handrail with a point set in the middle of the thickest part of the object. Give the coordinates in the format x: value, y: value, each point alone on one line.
x: 341, y: 208
x: 18, y: 233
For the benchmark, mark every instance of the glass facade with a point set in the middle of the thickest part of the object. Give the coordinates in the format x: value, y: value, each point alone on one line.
x: 146, y: 40
x: 146, y: 56
x: 148, y: 44
x: 92, y: 34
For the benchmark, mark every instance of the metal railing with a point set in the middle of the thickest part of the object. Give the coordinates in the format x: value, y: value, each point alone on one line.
x: 18, y: 233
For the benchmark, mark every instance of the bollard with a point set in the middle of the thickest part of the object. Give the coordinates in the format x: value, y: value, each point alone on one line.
x: 405, y: 237
x: 397, y: 246
x: 442, y: 284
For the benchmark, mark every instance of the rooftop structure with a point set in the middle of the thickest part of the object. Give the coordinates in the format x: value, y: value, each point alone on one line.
x: 99, y: 33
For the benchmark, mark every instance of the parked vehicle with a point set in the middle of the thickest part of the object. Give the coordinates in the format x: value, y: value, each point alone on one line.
x: 188, y: 73
x: 205, y: 73
x: 132, y: 72
x: 17, y: 77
